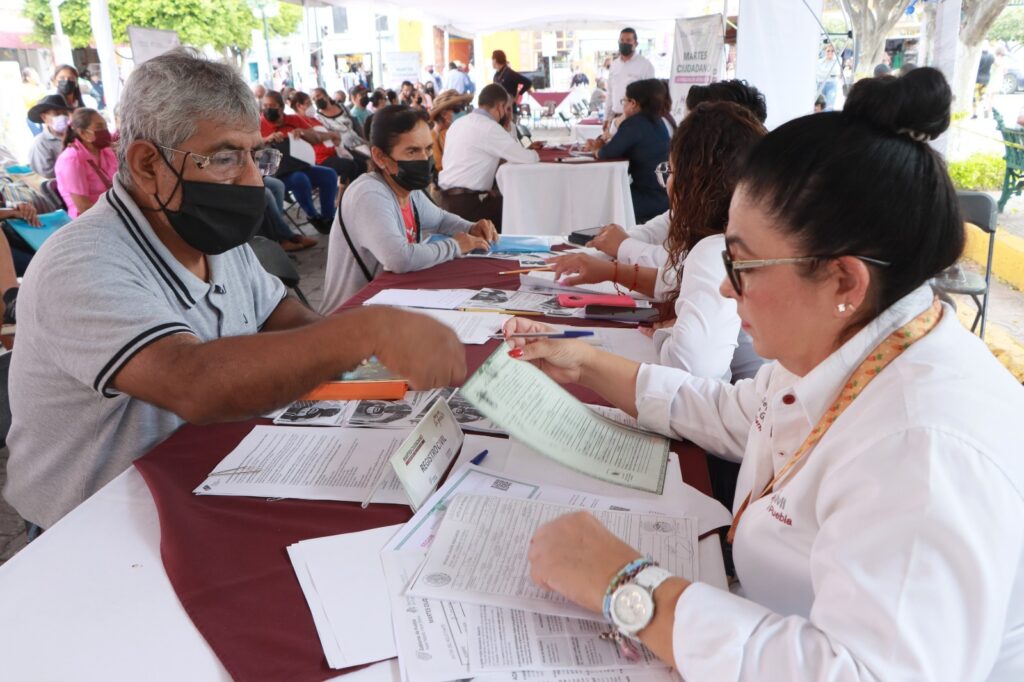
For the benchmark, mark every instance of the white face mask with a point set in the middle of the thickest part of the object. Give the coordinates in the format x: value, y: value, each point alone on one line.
x: 59, y: 123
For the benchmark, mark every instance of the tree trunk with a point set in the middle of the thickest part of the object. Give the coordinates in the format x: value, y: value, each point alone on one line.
x: 977, y: 17
x: 871, y: 21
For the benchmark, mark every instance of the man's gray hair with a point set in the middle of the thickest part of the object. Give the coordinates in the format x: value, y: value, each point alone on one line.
x: 165, y: 98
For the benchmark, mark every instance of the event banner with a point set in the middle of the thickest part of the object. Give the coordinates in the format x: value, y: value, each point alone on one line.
x: 697, y: 58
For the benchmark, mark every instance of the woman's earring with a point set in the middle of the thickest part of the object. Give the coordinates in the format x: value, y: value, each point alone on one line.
x: 844, y: 307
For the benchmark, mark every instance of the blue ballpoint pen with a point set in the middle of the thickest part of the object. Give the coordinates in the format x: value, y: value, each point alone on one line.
x: 479, y: 458
x: 545, y: 335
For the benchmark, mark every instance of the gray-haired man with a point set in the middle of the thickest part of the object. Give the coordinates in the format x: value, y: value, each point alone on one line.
x: 149, y: 310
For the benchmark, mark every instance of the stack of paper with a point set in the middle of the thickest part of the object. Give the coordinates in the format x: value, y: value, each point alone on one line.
x: 439, y: 299
x: 472, y: 328
x: 548, y: 281
x: 519, y: 301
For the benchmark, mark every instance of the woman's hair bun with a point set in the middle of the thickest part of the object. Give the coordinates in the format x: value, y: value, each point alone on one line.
x: 916, y: 104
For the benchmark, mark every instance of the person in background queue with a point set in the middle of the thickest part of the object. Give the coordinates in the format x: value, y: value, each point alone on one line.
x: 628, y: 67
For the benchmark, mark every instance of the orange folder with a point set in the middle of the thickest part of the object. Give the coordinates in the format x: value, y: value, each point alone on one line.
x: 358, y: 390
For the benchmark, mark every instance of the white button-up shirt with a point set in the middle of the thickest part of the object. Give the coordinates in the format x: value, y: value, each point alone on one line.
x: 896, y: 549
x: 645, y: 245
x: 473, y: 148
x: 706, y: 339
x: 622, y: 73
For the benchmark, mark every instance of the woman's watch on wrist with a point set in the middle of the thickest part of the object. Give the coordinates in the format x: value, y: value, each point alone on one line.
x: 632, y: 604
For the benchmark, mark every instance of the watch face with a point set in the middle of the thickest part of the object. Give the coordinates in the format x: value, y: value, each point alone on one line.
x: 632, y: 607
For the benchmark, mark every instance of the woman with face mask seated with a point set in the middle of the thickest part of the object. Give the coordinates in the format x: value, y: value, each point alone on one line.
x: 877, y: 530
x: 386, y: 218
x: 86, y: 167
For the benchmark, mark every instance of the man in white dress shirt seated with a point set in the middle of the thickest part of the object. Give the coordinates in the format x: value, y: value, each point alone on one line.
x: 627, y: 68
x: 474, y: 147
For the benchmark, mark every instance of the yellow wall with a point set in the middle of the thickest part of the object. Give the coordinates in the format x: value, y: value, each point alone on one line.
x: 410, y: 36
x: 501, y: 40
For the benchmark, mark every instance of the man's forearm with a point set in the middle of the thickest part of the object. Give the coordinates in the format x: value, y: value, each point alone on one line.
x: 240, y: 377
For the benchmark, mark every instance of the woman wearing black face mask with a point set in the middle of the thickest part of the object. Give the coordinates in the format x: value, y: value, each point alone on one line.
x: 336, y: 118
x: 386, y: 219
x: 65, y: 84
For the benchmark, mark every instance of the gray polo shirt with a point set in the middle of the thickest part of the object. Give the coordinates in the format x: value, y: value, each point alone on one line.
x: 97, y: 292
x: 42, y: 156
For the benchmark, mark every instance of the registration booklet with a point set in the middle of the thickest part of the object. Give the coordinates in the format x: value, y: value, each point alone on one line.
x: 537, y: 411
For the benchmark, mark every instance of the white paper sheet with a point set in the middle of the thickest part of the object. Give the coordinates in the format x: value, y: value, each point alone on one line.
x: 503, y: 639
x: 344, y: 586
x: 440, y: 299
x: 472, y: 328
x: 534, y: 409
x: 311, y: 464
x: 630, y: 343
x: 479, y: 555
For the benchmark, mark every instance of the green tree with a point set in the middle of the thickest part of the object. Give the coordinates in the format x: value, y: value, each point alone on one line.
x: 224, y: 24
x: 1009, y: 26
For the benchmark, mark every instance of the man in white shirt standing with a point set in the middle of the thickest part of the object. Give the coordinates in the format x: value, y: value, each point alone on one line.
x: 473, y: 148
x: 628, y: 68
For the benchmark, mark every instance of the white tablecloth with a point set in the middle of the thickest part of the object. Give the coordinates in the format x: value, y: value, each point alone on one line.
x: 89, y: 600
x: 586, y: 131
x: 558, y: 198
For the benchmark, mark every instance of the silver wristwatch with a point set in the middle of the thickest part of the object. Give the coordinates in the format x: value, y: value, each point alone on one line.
x: 632, y: 605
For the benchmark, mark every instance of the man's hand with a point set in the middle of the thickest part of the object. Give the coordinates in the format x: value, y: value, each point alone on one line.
x: 276, y: 136
x: 536, y: 145
x: 609, y: 240
x: 402, y: 337
x: 485, y: 230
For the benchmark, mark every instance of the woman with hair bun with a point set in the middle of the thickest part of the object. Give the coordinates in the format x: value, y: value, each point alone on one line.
x: 643, y: 139
x: 878, y: 528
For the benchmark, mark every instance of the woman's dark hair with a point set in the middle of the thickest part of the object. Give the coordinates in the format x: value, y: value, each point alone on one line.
x: 707, y: 155
x: 299, y: 98
x: 865, y: 182
x: 391, y: 122
x: 499, y: 56
x: 77, y: 92
x: 392, y: 96
x: 738, y: 91
x: 81, y: 119
x: 649, y: 95
x: 277, y: 97
x: 377, y: 98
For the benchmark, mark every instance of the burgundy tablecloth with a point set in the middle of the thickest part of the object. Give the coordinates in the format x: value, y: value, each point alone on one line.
x: 225, y: 556
x: 546, y: 98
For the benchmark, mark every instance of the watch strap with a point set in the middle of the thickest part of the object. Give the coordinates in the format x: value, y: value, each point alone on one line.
x: 651, y: 578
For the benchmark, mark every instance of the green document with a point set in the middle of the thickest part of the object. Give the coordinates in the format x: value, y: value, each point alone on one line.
x: 534, y: 409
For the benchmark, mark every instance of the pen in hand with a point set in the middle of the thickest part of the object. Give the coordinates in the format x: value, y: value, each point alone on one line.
x: 544, y: 335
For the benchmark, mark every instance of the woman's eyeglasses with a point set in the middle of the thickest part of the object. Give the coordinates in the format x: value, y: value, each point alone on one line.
x: 661, y: 172
x: 229, y: 164
x: 733, y: 268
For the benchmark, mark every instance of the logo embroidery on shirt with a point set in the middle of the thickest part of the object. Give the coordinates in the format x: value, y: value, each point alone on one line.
x: 761, y: 412
x: 776, y: 507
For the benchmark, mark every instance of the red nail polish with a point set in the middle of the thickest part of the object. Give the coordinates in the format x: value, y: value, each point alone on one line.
x: 516, y: 353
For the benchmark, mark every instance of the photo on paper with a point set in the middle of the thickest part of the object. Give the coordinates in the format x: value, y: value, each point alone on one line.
x: 543, y: 303
x: 468, y: 416
x: 394, y: 414
x: 315, y: 413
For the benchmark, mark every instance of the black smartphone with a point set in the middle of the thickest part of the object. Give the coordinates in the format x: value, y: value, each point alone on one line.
x: 616, y: 314
x: 581, y: 237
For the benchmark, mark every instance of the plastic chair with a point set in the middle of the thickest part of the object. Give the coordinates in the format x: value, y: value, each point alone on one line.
x: 981, y: 210
x: 275, y: 261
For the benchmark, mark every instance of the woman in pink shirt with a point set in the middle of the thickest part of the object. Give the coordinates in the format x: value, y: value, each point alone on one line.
x: 86, y: 167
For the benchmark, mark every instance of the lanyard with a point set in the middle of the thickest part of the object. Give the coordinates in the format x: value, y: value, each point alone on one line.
x: 877, y: 360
